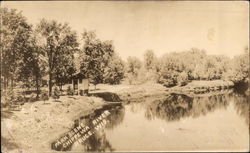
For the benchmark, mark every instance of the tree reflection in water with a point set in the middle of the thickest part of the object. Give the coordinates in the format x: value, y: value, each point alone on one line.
x: 242, y: 105
x: 177, y: 106
x: 115, y: 118
x: 98, y: 141
x: 172, y: 107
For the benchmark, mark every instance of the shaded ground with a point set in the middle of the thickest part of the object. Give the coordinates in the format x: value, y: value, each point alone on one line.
x: 8, y: 145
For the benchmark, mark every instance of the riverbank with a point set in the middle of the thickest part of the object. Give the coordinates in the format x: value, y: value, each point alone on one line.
x: 129, y: 93
x: 33, y: 127
x: 200, y: 87
x: 37, y: 124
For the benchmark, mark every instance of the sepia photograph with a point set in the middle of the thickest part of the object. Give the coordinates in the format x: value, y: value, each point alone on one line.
x: 124, y: 76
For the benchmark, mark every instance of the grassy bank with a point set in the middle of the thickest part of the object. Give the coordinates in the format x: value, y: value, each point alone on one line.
x: 37, y: 124
x: 129, y: 93
x: 33, y: 127
x: 200, y: 87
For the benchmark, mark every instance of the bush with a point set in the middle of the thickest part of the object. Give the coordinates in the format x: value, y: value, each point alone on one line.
x: 33, y: 97
x: 168, y: 78
x: 56, y: 93
x: 11, y: 97
x: 20, y: 98
x: 44, y: 96
x: 7, y: 97
x: 167, y: 82
x: 182, y: 79
x: 70, y: 91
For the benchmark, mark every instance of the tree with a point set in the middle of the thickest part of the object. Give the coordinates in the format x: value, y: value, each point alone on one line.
x: 133, y: 69
x: 170, y: 66
x: 15, y: 35
x: 58, y: 43
x: 182, y: 79
x: 32, y: 65
x: 133, y: 65
x: 114, y: 72
x: 65, y: 69
x: 239, y: 71
x: 95, y: 57
x: 149, y: 60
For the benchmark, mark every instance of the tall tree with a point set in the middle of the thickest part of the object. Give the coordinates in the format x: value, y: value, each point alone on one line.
x: 59, y: 43
x: 114, y: 72
x: 133, y: 65
x: 32, y: 64
x: 149, y: 60
x: 240, y: 68
x: 95, y: 56
x: 15, y: 35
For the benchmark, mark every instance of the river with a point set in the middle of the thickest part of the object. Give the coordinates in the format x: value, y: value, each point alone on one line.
x: 176, y: 122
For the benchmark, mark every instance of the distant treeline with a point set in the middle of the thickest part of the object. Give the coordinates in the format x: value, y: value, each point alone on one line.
x: 178, y: 68
x: 49, y: 53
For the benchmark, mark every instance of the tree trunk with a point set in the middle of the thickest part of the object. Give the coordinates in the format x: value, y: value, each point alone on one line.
x: 11, y: 83
x: 7, y: 82
x: 61, y: 85
x: 4, y: 82
x: 37, y: 87
x: 50, y: 84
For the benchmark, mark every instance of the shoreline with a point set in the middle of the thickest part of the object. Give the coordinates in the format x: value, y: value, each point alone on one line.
x: 37, y: 124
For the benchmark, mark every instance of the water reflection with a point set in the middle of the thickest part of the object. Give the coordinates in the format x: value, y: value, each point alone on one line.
x: 97, y: 141
x: 242, y: 105
x: 201, y: 122
x: 177, y: 106
x: 222, y: 108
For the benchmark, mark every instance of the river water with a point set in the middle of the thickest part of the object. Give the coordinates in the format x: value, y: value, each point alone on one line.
x: 176, y: 122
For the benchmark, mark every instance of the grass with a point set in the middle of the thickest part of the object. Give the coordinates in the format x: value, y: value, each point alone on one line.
x: 212, y: 83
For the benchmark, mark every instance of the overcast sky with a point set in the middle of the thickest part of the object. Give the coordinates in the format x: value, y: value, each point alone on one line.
x: 218, y: 27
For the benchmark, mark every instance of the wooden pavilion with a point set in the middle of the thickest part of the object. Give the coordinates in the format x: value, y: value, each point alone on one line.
x: 79, y: 83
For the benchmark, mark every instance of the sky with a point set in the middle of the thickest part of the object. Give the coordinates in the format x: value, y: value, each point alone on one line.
x: 163, y: 26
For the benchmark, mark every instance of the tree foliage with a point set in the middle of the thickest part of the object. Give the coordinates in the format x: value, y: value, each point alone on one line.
x: 149, y: 60
x: 239, y: 68
x: 15, y: 40
x: 95, y: 57
x: 178, y: 68
x: 28, y: 55
x: 59, y: 44
x: 133, y: 65
x: 114, y: 72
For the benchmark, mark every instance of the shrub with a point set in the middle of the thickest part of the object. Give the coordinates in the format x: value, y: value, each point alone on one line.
x: 70, y: 91
x: 182, y: 79
x: 20, y: 98
x: 33, y: 97
x: 56, y: 93
x: 7, y: 97
x: 11, y: 97
x: 44, y: 96
x: 167, y: 82
x: 168, y: 78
